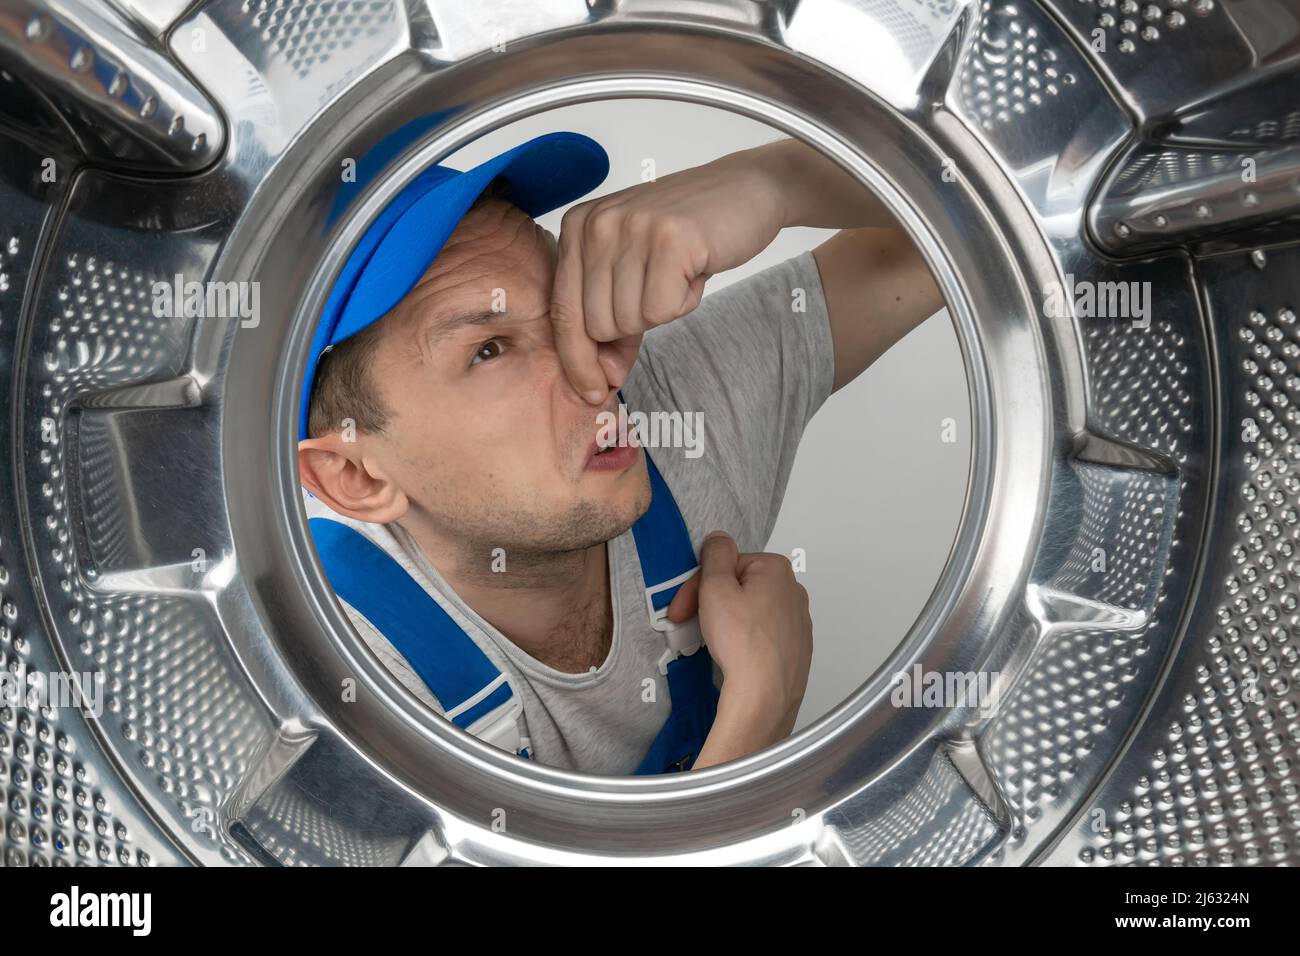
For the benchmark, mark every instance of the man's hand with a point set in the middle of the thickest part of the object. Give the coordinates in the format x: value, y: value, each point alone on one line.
x: 754, y: 620
x: 640, y: 257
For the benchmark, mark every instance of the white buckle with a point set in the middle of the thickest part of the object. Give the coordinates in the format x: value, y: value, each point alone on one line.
x: 659, y: 619
x: 683, y: 639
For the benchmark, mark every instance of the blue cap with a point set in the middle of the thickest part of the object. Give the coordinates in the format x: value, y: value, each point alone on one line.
x: 544, y: 173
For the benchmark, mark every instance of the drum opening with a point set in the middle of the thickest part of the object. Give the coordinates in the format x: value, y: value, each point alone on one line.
x: 885, y: 459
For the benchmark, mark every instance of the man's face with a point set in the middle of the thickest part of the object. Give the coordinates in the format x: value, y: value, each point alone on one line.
x: 487, y: 438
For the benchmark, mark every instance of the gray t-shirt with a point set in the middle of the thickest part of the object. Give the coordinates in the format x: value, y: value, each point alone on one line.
x: 756, y: 360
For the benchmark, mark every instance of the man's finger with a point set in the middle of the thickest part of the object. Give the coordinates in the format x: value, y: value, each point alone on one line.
x: 665, y: 287
x: 686, y: 602
x: 599, y: 237
x: 694, y: 295
x: 629, y: 277
x: 718, y: 564
x: 617, y: 358
x: 576, y: 350
x: 759, y: 564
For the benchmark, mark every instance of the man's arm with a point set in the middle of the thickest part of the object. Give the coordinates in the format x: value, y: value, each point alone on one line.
x: 876, y: 283
x: 877, y: 289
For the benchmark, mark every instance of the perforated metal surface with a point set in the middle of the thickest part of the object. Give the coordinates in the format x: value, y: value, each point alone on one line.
x: 63, y: 802
x: 171, y: 708
x: 307, y: 34
x: 1210, y: 777
x: 1010, y: 71
x: 1149, y: 710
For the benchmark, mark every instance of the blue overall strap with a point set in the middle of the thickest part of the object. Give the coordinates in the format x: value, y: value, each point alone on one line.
x: 460, y: 675
x: 663, y: 546
x: 695, y: 704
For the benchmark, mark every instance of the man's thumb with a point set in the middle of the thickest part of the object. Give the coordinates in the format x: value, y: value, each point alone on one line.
x: 718, y: 557
x: 686, y: 602
x: 694, y: 295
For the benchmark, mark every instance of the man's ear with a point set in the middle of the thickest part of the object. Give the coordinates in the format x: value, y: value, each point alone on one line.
x: 348, y: 481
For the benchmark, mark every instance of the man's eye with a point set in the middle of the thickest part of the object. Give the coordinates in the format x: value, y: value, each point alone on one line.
x: 488, y: 350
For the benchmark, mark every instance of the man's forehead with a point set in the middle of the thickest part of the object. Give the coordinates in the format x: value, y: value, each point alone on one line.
x: 438, y: 327
x: 438, y: 307
x: 438, y: 316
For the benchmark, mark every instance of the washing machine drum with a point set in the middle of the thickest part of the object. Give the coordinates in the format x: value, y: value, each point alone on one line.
x: 1108, y: 196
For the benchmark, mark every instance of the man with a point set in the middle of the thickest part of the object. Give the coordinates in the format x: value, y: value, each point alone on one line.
x: 455, y: 418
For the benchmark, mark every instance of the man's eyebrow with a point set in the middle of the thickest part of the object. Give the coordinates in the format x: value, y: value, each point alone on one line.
x: 435, y: 330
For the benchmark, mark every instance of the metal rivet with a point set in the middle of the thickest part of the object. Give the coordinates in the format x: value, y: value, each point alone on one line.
x: 38, y: 28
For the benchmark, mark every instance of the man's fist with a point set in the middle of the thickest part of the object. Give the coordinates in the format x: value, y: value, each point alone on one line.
x: 754, y: 620
x: 640, y: 257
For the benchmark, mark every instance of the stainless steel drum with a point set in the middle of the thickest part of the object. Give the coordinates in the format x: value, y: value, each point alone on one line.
x: 1128, y: 558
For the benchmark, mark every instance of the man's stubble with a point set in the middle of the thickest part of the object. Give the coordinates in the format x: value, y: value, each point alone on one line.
x: 532, y: 534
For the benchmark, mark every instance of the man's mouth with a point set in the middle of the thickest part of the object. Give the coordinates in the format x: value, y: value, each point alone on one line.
x: 613, y: 458
x: 622, y: 449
